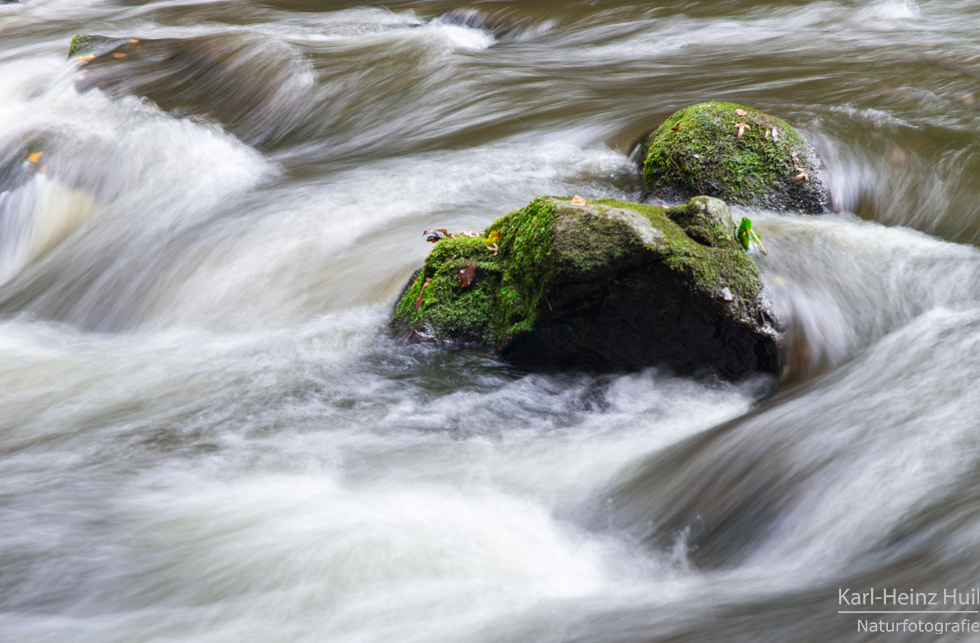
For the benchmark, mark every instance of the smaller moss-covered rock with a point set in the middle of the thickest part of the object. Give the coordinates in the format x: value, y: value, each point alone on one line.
x: 606, y: 285
x: 735, y: 153
x: 86, y: 44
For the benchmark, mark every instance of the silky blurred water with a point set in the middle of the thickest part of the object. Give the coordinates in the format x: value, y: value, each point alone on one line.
x: 208, y: 434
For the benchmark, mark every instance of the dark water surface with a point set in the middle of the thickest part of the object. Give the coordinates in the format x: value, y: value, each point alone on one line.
x: 206, y: 433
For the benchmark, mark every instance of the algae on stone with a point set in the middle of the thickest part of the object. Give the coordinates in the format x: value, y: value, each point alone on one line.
x: 607, y: 285
x: 747, y: 159
x: 86, y: 44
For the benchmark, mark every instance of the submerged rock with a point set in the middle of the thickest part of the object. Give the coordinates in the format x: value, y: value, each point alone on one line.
x: 84, y: 44
x: 472, y: 18
x: 227, y: 78
x: 734, y: 153
x: 606, y: 285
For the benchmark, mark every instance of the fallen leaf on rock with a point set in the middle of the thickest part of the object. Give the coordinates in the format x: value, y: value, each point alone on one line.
x: 726, y: 294
x: 675, y: 127
x: 466, y: 274
x: 493, y: 237
x: 434, y: 235
x: 740, y: 112
x: 495, y: 248
x: 767, y: 133
x: 801, y: 176
x: 742, y: 128
x: 35, y: 157
x: 775, y: 135
x: 419, y: 299
x: 664, y: 207
x: 577, y: 200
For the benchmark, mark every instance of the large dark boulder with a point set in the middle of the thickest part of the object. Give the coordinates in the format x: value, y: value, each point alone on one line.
x: 735, y: 153
x: 603, y: 286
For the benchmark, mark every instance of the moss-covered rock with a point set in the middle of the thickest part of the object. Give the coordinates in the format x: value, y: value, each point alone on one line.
x: 86, y: 44
x: 748, y: 158
x: 606, y: 285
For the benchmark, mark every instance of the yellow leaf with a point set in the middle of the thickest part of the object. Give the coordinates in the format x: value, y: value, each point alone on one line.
x: 493, y: 237
x: 35, y: 157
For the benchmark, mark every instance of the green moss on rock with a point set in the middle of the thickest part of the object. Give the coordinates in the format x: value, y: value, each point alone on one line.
x: 606, y: 285
x: 698, y: 151
x: 86, y: 44
x: 435, y: 304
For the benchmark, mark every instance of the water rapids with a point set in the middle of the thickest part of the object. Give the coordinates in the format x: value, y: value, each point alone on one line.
x: 208, y: 434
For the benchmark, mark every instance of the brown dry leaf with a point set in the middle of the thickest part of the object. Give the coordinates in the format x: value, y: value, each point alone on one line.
x: 801, y: 176
x: 740, y: 112
x: 133, y: 40
x: 433, y: 235
x: 665, y: 207
x: 495, y: 248
x: 742, y: 128
x: 466, y: 274
x: 419, y: 299
x: 577, y: 200
x: 118, y: 55
x: 775, y: 135
x: 767, y: 133
x: 35, y: 157
x: 675, y: 127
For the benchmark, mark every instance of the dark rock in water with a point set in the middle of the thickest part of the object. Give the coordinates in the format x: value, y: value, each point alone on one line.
x: 223, y: 77
x: 608, y: 285
x: 734, y: 153
x: 472, y: 18
x: 15, y: 167
x: 84, y: 44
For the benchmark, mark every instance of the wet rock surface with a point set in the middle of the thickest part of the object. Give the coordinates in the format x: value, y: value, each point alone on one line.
x: 608, y: 285
x: 735, y: 153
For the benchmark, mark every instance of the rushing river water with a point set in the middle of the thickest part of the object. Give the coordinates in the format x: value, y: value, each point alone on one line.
x: 208, y: 434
